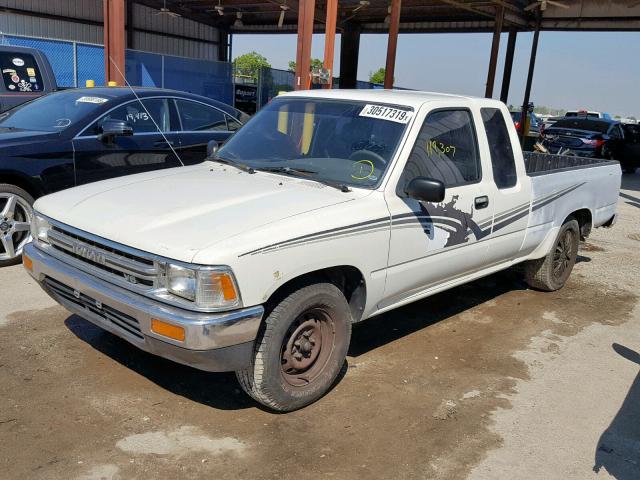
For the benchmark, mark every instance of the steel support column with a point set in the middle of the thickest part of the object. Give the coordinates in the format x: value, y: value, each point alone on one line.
x: 392, y: 44
x: 303, y: 53
x: 349, y: 50
x: 223, y: 46
x: 330, y: 38
x: 532, y: 64
x: 129, y: 24
x: 495, y: 47
x: 508, y: 64
x: 114, y: 40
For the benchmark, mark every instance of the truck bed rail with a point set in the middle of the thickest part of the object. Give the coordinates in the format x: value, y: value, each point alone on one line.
x: 544, y: 163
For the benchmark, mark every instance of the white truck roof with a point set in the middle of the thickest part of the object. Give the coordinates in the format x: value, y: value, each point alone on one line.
x: 410, y: 98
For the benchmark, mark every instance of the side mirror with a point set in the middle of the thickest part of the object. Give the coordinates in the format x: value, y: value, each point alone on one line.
x: 114, y: 128
x: 212, y: 148
x: 425, y: 189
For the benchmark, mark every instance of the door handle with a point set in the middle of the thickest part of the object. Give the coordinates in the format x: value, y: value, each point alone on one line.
x: 163, y: 143
x: 481, y: 202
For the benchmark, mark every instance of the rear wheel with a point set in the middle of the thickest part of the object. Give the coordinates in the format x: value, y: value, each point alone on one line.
x: 551, y: 272
x: 15, y: 218
x: 301, y: 349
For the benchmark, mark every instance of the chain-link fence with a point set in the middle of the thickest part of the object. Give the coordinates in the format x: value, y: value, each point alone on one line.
x: 74, y: 63
x: 271, y: 81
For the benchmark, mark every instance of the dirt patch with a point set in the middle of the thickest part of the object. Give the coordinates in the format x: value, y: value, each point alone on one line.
x: 590, y: 247
x: 81, y: 403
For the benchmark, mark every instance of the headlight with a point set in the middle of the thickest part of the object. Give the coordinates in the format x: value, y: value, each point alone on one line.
x: 40, y: 227
x: 208, y: 288
x: 182, y: 282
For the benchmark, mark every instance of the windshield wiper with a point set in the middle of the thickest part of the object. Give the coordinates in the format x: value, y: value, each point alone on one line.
x: 306, y: 174
x: 238, y: 165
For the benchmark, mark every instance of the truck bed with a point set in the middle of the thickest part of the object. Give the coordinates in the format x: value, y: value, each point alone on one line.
x: 545, y: 163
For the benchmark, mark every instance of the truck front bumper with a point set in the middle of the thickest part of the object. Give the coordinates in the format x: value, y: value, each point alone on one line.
x: 214, y: 342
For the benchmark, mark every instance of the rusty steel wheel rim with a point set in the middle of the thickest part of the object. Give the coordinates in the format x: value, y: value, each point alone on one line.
x: 563, y: 254
x: 306, y: 347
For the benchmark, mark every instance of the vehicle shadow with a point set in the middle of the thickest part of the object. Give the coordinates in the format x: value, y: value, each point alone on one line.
x: 221, y: 390
x: 618, y: 449
x: 631, y: 181
x: 396, y: 324
x: 633, y: 201
x: 218, y: 390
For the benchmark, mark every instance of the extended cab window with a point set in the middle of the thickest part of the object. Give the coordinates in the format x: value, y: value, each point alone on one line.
x: 140, y: 118
x: 502, y: 160
x: 20, y: 72
x: 199, y: 117
x: 446, y: 150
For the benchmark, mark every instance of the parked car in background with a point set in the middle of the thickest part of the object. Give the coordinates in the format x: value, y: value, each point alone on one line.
x: 549, y: 121
x: 585, y: 137
x: 74, y: 137
x: 534, y: 125
x: 26, y: 74
x: 587, y: 114
x: 631, y: 157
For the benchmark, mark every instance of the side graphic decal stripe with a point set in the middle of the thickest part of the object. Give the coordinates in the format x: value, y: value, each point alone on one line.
x: 424, y: 221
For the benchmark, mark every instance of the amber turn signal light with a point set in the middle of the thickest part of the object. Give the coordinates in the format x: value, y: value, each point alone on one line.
x: 167, y: 330
x: 27, y: 262
x: 226, y: 286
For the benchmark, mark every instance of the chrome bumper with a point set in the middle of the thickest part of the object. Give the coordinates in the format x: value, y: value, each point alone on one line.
x: 213, y: 341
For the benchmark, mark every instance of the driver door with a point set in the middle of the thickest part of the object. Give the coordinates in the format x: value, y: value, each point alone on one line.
x: 432, y: 243
x: 147, y: 149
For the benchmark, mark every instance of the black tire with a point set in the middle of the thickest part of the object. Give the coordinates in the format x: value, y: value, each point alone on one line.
x: 277, y: 376
x: 551, y: 272
x: 23, y: 213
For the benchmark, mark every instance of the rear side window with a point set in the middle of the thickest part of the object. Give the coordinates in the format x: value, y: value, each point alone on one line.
x: 199, y: 117
x: 445, y: 150
x: 20, y: 72
x: 502, y: 160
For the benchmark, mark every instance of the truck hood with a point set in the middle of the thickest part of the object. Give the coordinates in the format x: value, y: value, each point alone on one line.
x: 178, y: 212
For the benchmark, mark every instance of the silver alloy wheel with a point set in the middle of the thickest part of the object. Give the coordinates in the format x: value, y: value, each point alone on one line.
x: 15, y: 221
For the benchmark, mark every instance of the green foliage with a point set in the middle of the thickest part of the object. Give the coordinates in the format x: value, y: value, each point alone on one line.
x: 542, y: 110
x: 316, y: 64
x: 249, y: 65
x: 377, y: 76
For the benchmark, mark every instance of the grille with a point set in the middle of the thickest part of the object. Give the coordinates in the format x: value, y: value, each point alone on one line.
x: 134, y: 269
x: 85, y: 302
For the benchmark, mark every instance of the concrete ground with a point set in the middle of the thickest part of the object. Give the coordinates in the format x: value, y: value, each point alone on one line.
x: 488, y: 381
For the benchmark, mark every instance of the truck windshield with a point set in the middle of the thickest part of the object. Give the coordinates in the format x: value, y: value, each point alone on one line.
x: 53, y: 112
x: 346, y: 142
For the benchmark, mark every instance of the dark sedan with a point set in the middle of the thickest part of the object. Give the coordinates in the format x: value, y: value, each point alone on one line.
x: 79, y: 136
x: 585, y: 137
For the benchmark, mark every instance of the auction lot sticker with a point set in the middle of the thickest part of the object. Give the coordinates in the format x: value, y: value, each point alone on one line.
x: 92, y: 100
x: 383, y: 112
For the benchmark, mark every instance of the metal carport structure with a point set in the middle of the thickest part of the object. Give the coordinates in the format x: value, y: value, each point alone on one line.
x: 353, y: 17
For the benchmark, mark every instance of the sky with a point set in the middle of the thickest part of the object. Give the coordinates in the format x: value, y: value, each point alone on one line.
x: 592, y: 70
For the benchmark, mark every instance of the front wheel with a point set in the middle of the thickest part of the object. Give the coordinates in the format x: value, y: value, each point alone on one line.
x: 550, y: 273
x: 301, y: 349
x: 15, y: 218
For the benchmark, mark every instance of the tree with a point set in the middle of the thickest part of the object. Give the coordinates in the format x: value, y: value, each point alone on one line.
x: 377, y: 76
x: 316, y: 64
x: 249, y: 64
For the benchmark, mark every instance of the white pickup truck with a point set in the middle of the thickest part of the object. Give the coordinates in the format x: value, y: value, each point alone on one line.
x: 325, y: 209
